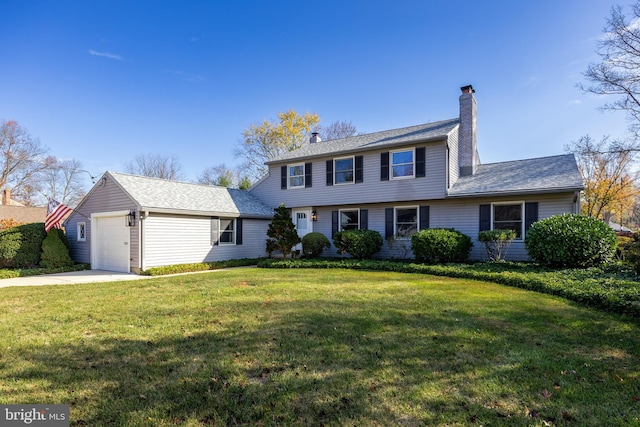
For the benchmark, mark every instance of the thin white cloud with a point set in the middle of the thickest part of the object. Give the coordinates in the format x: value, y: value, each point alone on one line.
x: 194, y: 78
x: 106, y: 55
x: 575, y: 102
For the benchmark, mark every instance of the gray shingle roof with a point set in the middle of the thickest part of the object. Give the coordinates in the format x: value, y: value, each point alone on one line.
x: 373, y: 141
x: 172, y: 196
x: 544, y: 174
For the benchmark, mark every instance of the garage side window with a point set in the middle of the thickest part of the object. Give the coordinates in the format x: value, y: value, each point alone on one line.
x: 223, y: 231
x: 82, y: 232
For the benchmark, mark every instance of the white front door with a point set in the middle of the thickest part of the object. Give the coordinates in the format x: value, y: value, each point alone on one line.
x: 302, y: 220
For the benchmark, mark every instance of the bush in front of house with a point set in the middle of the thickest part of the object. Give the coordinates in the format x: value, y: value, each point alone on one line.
x: 496, y: 242
x: 282, y: 232
x: 55, y: 250
x: 570, y: 240
x: 360, y: 244
x: 440, y: 245
x: 21, y: 246
x: 314, y: 243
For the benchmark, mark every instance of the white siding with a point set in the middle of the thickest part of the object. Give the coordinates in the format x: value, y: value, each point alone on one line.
x: 181, y: 239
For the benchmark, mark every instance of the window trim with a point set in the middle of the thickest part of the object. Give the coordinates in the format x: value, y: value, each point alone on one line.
x: 353, y: 170
x: 348, y: 210
x: 289, y: 176
x: 522, y: 216
x: 395, y: 220
x: 392, y: 165
x: 81, y: 230
x: 218, y: 231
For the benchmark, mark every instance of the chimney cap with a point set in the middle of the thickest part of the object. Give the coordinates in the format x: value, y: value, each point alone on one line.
x: 467, y: 89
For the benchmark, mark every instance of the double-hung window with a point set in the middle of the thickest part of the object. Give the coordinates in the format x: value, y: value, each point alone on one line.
x: 405, y: 221
x: 223, y: 231
x: 343, y: 170
x: 508, y: 216
x: 349, y: 219
x: 402, y: 164
x: 296, y: 175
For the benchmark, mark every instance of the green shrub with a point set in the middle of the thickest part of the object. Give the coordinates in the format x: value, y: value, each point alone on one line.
x: 21, y: 246
x: 360, y: 244
x: 55, y: 254
x: 282, y: 233
x: 629, y: 251
x: 570, y: 240
x: 440, y: 245
x: 314, y: 243
x: 497, y: 242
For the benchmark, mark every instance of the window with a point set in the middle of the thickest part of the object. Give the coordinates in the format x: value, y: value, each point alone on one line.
x: 223, y: 231
x: 508, y: 217
x: 82, y: 232
x: 296, y: 176
x: 343, y: 170
x: 349, y: 219
x: 402, y: 164
x: 405, y: 221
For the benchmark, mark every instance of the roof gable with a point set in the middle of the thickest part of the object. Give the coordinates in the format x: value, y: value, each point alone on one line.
x: 372, y: 141
x: 181, y: 197
x: 544, y: 174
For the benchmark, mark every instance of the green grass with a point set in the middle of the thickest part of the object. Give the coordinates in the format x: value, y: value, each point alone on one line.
x: 317, y: 347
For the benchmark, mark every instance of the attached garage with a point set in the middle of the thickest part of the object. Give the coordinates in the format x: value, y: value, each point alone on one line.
x: 111, y: 242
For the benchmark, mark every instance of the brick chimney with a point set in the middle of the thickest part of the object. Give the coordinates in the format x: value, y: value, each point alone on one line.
x: 6, y: 197
x: 468, y: 158
x: 314, y: 138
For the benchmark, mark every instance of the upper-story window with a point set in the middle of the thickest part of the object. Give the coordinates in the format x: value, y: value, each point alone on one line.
x: 343, y: 169
x: 402, y: 164
x: 296, y: 175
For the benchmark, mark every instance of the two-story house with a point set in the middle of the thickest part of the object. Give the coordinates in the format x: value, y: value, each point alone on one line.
x: 425, y: 176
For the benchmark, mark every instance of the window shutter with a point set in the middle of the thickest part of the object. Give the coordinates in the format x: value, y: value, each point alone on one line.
x: 388, y: 223
x: 334, y: 223
x: 364, y: 219
x: 307, y: 175
x: 530, y: 214
x: 329, y: 172
x: 424, y: 217
x: 359, y: 169
x: 238, y: 231
x: 215, y: 230
x: 283, y: 178
x: 485, y: 217
x: 384, y: 166
x: 420, y: 162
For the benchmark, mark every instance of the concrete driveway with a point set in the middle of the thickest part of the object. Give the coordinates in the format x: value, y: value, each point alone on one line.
x: 85, y: 276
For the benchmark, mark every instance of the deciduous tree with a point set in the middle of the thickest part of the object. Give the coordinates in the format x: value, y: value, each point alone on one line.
x: 155, y: 166
x: 223, y: 176
x: 337, y: 130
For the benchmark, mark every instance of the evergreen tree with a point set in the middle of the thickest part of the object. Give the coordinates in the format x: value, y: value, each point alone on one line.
x: 282, y: 232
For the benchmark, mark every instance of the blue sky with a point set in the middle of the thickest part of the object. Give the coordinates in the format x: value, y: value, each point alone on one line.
x: 104, y: 81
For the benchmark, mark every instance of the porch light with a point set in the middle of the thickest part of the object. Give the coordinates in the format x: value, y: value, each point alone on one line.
x: 131, y: 218
x: 314, y: 215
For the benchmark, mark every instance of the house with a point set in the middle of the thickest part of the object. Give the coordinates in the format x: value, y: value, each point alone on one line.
x: 13, y: 212
x: 130, y: 223
x: 425, y: 176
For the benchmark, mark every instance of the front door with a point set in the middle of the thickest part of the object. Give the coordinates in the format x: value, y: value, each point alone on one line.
x: 302, y: 220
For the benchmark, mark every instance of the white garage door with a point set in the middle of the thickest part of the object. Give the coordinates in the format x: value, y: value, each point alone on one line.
x: 111, y: 244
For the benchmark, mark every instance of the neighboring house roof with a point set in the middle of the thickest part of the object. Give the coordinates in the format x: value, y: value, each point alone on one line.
x: 373, y: 141
x: 544, y: 174
x: 23, y: 214
x: 161, y: 195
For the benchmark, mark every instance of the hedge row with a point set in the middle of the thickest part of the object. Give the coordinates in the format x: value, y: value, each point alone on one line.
x: 595, y: 287
x: 201, y: 266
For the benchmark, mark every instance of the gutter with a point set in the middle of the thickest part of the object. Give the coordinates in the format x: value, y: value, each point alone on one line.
x: 514, y: 192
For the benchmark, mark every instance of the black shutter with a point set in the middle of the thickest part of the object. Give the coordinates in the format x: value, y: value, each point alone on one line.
x: 485, y: 217
x: 384, y: 166
x: 364, y: 219
x: 238, y: 231
x: 283, y: 178
x: 307, y: 175
x: 420, y: 162
x: 424, y: 217
x: 329, y: 172
x: 388, y: 223
x: 334, y: 223
x: 530, y: 214
x: 359, y: 167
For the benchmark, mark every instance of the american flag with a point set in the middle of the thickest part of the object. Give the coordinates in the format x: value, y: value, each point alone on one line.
x: 56, y: 211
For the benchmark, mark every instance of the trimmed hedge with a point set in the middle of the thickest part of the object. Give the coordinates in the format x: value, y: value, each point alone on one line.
x: 200, y: 266
x: 360, y: 244
x: 55, y: 250
x: 21, y: 246
x: 604, y: 288
x: 440, y: 245
x: 314, y: 243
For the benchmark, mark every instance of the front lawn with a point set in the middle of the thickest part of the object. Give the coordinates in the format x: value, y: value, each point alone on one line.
x: 317, y: 347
